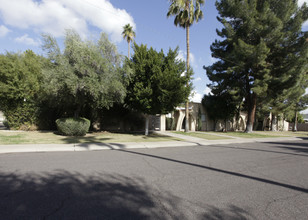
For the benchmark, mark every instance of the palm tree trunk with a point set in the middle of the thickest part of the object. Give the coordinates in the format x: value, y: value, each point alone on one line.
x: 187, y: 68
x: 128, y: 48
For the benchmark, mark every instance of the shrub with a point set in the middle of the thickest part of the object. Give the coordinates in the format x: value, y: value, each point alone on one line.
x: 18, y: 116
x: 73, y: 126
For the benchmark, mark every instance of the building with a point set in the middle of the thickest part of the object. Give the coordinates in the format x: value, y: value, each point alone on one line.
x: 200, y: 121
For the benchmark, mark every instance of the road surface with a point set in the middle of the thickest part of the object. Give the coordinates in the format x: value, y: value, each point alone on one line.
x: 235, y: 181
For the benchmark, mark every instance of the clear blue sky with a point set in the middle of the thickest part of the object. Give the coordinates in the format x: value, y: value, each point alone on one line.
x: 23, y: 21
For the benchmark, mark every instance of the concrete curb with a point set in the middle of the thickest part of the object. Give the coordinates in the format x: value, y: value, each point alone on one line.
x: 82, y: 147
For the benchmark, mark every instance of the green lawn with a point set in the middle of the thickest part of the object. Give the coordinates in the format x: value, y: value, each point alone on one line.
x: 264, y: 134
x: 256, y: 134
x: 36, y: 137
x: 205, y: 135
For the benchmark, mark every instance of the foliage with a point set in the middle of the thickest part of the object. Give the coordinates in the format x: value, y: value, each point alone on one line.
x: 128, y: 34
x: 156, y: 86
x: 186, y: 12
x: 84, y: 78
x: 20, y: 79
x: 73, y: 126
x: 263, y: 51
x: 219, y: 107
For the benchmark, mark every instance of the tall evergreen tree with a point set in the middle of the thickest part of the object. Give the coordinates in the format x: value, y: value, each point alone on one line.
x: 262, y: 50
x: 186, y: 12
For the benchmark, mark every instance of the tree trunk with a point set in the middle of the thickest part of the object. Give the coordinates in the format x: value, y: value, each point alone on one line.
x: 215, y: 122
x: 128, y: 48
x: 295, y: 122
x: 77, y: 111
x: 252, y: 105
x: 147, y: 125
x: 187, y: 68
x: 283, y: 119
x: 274, y: 122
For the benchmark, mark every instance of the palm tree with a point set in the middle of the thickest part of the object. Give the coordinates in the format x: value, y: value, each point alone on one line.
x: 186, y: 12
x: 129, y: 34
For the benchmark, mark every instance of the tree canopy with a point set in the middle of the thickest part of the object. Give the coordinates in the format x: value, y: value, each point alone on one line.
x: 156, y: 85
x: 86, y: 75
x: 219, y: 107
x: 20, y: 86
x: 262, y: 53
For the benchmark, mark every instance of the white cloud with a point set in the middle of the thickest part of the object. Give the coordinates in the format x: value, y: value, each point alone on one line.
x: 54, y: 16
x: 182, y: 56
x: 207, y: 91
x: 3, y: 30
x: 25, y: 39
x: 197, y: 79
x: 195, y: 97
x: 301, y: 2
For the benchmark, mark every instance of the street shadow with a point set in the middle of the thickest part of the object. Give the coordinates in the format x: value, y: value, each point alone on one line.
x: 72, y: 195
x: 259, y: 179
x: 254, y: 149
x: 99, y: 146
x: 298, y: 147
x: 298, y: 143
x: 232, y: 212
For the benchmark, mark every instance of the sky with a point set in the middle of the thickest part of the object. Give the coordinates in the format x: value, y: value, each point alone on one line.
x: 23, y: 21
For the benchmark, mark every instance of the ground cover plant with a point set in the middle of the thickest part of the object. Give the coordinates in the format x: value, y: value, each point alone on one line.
x: 49, y: 137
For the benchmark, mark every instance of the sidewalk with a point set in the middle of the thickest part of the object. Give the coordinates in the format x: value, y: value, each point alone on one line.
x: 186, y: 141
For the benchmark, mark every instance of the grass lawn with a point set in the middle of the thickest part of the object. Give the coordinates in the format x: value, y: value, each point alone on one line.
x: 36, y: 137
x: 205, y: 135
x: 265, y: 134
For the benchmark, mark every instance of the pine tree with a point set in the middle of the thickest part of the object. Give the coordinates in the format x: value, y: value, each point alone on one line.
x: 263, y: 50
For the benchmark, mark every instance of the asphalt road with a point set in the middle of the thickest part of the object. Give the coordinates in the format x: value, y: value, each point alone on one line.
x: 242, y: 181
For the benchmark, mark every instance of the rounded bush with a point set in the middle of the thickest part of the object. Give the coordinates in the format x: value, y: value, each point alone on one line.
x: 73, y: 126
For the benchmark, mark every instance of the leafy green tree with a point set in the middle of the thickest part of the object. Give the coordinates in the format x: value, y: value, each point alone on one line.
x: 263, y: 49
x: 186, y: 12
x: 85, y: 77
x: 20, y: 80
x: 219, y: 107
x: 156, y: 85
x: 129, y: 35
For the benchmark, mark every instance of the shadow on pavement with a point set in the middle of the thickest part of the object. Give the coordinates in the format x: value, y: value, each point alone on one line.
x: 272, y: 182
x: 230, y: 213
x: 66, y: 195
x: 260, y: 150
x: 298, y: 147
